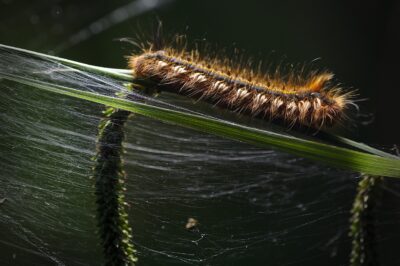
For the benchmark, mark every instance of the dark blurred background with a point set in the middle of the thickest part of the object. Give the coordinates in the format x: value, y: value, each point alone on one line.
x: 357, y: 40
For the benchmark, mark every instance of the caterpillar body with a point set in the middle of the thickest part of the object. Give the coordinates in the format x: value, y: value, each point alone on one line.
x: 310, y: 101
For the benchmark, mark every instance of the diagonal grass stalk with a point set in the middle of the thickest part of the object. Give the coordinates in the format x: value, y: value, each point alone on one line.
x: 331, y: 155
x: 126, y: 75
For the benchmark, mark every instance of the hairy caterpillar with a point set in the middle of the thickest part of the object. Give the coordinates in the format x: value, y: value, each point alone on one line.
x: 310, y: 101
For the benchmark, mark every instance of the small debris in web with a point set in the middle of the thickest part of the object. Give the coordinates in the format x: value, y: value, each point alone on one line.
x: 2, y: 200
x: 191, y: 224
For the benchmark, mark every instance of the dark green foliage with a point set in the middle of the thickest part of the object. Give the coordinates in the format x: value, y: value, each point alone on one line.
x: 362, y: 223
x: 109, y: 176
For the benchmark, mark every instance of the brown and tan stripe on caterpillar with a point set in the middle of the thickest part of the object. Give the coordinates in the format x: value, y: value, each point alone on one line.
x: 309, y: 103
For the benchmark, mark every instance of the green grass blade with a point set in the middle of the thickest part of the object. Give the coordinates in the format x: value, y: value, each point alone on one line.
x: 120, y: 74
x: 126, y: 75
x: 328, y: 154
x: 364, y: 147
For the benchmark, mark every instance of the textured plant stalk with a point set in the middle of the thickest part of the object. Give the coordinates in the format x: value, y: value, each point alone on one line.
x: 112, y: 218
x: 362, y: 223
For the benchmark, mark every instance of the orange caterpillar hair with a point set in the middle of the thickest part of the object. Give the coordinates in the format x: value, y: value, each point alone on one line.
x: 304, y: 101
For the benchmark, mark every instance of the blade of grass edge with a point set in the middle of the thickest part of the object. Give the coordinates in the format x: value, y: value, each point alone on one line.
x: 120, y: 74
x: 126, y: 75
x: 328, y: 154
x: 364, y: 147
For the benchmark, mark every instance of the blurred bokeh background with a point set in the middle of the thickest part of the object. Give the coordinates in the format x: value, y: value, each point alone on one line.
x: 255, y: 207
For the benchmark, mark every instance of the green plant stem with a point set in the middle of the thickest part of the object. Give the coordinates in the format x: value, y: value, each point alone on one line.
x: 362, y: 223
x: 328, y: 154
x: 127, y: 75
x: 109, y: 176
x: 363, y: 147
x: 120, y: 74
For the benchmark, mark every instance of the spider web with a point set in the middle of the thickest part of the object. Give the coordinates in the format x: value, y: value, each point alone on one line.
x: 252, y: 206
